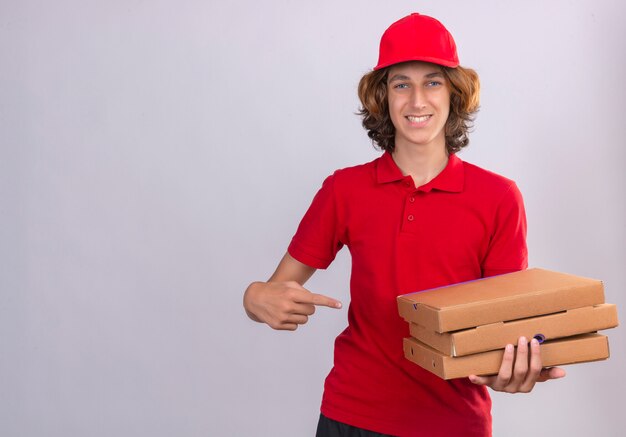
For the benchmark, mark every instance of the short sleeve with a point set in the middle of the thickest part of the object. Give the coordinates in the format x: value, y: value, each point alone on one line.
x: 317, y: 239
x: 507, y: 251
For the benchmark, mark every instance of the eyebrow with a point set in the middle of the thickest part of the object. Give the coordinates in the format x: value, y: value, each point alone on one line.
x: 427, y: 76
x: 434, y: 74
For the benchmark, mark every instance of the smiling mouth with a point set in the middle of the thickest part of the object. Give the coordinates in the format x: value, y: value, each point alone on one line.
x: 418, y: 119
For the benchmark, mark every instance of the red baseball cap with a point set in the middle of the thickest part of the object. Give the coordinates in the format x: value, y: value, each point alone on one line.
x: 417, y: 37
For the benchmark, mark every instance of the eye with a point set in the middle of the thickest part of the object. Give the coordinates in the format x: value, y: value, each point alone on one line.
x: 433, y: 83
x: 401, y: 86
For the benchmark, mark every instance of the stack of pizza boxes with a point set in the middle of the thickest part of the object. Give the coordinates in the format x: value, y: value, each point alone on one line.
x: 462, y: 329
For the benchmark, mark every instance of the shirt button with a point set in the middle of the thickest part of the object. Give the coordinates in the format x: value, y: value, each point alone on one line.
x: 411, y: 199
x: 410, y: 218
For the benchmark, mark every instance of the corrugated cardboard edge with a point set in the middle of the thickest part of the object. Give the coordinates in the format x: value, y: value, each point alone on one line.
x: 497, y: 335
x: 570, y: 350
x: 418, y: 313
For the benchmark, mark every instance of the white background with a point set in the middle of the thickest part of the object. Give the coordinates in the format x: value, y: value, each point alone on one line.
x: 156, y: 157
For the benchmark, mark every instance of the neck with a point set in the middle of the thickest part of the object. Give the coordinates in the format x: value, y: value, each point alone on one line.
x: 422, y: 164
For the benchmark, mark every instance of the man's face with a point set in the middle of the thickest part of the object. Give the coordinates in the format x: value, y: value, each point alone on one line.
x: 419, y: 104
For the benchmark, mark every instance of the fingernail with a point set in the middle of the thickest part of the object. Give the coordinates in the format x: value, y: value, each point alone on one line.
x: 523, y: 340
x: 509, y: 348
x: 534, y: 342
x: 338, y: 305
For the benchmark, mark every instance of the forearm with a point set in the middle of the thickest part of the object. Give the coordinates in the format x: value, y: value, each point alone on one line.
x: 290, y: 269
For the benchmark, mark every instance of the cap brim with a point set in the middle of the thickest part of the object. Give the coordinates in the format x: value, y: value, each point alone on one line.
x: 437, y: 61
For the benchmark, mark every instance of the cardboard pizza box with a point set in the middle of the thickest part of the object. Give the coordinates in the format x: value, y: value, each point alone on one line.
x: 511, y: 296
x: 569, y: 350
x: 498, y: 335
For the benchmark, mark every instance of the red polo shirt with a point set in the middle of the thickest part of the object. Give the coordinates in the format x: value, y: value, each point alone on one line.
x: 465, y: 224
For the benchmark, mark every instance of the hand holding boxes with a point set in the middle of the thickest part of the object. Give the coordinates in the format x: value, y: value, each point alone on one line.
x: 461, y: 329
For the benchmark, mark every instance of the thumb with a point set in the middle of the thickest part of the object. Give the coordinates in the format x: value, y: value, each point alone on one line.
x: 551, y: 373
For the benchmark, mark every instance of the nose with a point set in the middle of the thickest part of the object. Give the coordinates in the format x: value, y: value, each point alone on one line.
x: 418, y: 98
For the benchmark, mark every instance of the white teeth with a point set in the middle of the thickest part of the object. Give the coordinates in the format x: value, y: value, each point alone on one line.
x: 414, y: 119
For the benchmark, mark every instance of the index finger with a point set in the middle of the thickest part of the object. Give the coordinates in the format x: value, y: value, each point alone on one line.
x: 320, y: 300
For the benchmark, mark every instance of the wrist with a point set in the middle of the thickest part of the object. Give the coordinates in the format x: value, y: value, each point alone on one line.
x: 249, y: 298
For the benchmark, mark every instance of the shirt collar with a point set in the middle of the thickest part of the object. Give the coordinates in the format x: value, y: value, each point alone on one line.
x: 450, y: 179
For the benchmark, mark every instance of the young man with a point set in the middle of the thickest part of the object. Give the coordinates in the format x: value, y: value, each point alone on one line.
x: 416, y: 218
